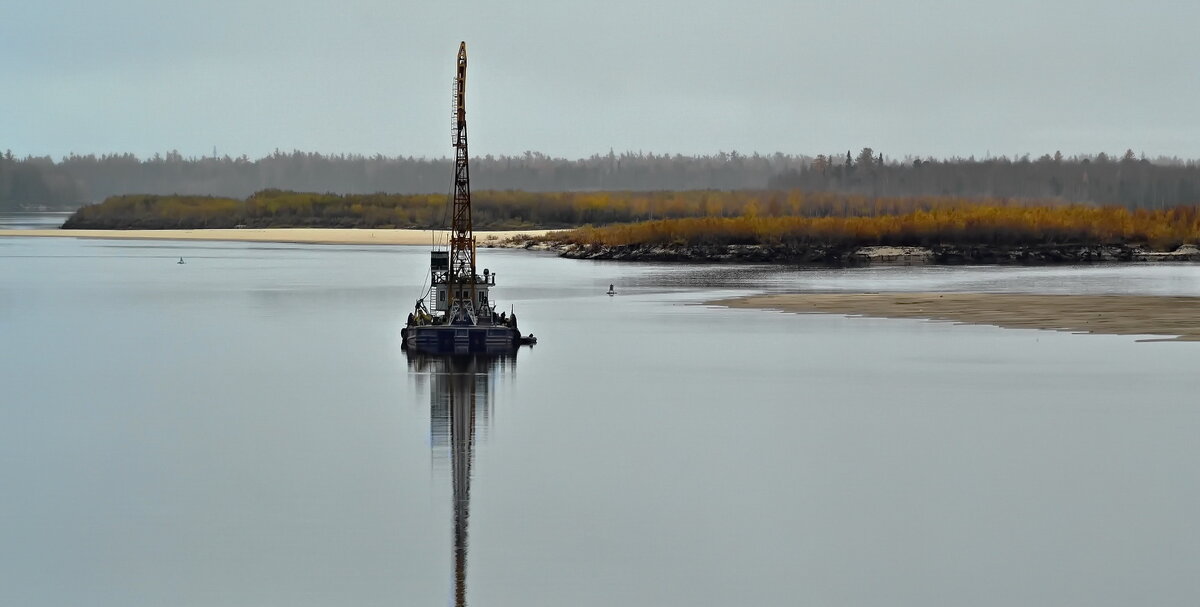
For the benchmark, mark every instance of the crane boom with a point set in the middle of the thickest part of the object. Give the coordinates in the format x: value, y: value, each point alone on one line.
x: 462, y: 237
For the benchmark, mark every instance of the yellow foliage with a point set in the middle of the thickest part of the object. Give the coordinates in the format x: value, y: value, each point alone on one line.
x: 970, y: 224
x: 701, y: 217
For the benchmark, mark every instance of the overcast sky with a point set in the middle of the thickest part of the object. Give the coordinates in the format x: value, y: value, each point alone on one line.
x: 921, y: 77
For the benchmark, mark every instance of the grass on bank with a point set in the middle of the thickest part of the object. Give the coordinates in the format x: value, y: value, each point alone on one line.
x: 676, y: 218
x: 953, y: 225
x: 491, y: 209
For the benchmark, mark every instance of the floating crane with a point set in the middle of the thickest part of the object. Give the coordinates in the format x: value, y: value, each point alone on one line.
x: 462, y: 318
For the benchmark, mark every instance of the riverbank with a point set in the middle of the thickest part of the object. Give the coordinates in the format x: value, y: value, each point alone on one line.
x: 864, y: 255
x: 1171, y: 317
x: 964, y: 233
x: 289, y: 235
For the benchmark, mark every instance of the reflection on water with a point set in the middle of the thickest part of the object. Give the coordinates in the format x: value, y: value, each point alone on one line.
x: 460, y: 401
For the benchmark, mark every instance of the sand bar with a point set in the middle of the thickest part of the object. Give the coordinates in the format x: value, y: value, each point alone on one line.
x: 292, y: 235
x: 1177, y: 317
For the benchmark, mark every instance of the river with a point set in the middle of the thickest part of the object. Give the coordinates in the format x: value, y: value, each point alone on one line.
x: 244, y: 429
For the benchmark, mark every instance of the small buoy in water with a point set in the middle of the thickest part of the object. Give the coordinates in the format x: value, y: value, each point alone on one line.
x: 611, y: 290
x: 180, y: 260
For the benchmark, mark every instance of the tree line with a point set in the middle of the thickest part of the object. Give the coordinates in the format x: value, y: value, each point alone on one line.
x: 80, y: 179
x: 1128, y: 179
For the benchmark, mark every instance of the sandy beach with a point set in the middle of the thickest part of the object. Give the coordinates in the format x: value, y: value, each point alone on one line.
x: 1171, y: 317
x: 292, y: 235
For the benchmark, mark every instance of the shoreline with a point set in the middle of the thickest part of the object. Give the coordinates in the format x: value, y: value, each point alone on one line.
x: 1173, y: 318
x: 1037, y: 254
x: 284, y: 235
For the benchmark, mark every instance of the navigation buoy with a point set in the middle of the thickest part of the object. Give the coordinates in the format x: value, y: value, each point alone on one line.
x: 611, y: 290
x: 180, y: 260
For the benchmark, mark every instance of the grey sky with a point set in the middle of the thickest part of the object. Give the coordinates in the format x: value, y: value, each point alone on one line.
x: 570, y: 79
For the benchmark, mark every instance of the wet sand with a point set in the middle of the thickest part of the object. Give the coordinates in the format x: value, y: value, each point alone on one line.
x: 292, y: 235
x: 1171, y: 317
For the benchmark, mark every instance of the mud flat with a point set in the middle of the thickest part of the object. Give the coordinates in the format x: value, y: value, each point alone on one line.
x: 1171, y: 317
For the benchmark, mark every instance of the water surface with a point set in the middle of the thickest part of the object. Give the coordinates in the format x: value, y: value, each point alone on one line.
x: 244, y: 429
x: 18, y: 220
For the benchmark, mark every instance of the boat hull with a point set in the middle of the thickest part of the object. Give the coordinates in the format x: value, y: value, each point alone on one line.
x: 452, y: 339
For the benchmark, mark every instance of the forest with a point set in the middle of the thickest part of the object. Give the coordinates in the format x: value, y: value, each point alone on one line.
x: 76, y: 180
x: 1131, y: 181
x: 1126, y: 179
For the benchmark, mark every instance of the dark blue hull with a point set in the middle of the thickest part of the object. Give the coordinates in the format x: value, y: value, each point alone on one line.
x: 450, y: 339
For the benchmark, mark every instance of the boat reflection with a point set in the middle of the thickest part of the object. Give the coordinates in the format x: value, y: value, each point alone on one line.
x: 460, y: 402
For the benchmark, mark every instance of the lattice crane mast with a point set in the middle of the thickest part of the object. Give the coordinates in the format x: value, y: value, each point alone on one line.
x: 462, y: 279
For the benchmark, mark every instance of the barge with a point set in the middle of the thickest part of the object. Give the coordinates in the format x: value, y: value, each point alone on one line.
x: 457, y: 315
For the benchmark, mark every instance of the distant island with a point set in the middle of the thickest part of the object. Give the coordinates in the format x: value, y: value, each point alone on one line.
x: 789, y: 226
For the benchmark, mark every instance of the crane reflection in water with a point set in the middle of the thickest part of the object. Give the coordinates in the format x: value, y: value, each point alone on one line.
x: 460, y: 401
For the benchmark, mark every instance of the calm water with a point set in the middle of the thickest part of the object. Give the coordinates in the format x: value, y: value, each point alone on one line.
x: 31, y: 221
x: 244, y: 429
